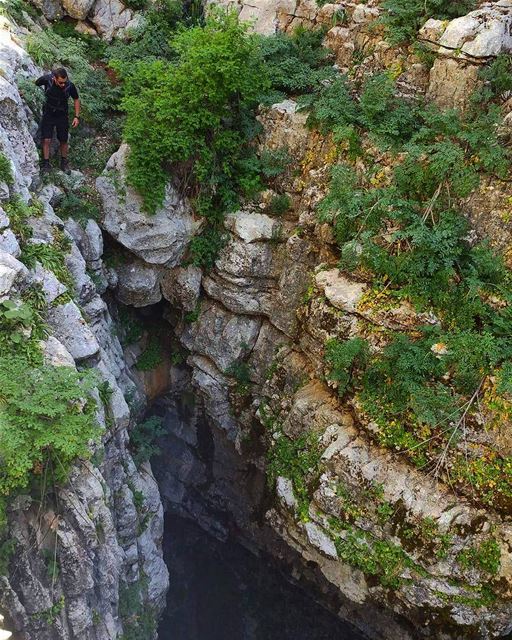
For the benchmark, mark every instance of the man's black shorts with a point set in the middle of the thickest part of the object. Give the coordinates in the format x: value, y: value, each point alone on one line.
x: 56, y: 120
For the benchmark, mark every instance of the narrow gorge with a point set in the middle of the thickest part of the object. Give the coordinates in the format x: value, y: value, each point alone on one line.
x: 256, y: 353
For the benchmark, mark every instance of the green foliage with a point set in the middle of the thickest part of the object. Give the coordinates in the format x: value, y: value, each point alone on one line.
x: 143, y: 439
x: 95, y: 47
x: 46, y: 417
x: 149, y: 41
x: 486, y: 556
x: 299, y: 461
x: 412, y: 238
x: 19, y: 213
x: 195, y: 110
x: 151, y: 357
x: 17, y: 10
x: 5, y: 170
x: 98, y: 96
x: 205, y: 247
x: 80, y: 205
x: 345, y: 359
x: 296, y: 64
x: 498, y: 77
x: 51, y: 257
x: 403, y: 18
x: 139, y: 619
x: 131, y: 326
x: 280, y: 204
x: 137, y: 5
x: 52, y: 564
x: 373, y: 557
x: 240, y: 371
x: 7, y: 551
x: 31, y: 94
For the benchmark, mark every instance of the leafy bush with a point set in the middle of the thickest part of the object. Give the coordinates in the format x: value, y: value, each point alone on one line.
x: 280, y: 204
x: 299, y: 461
x: 151, y: 357
x: 46, y: 417
x: 193, y: 110
x: 403, y: 18
x: 295, y: 64
x: 143, y: 437
x: 149, y: 41
x: 344, y: 359
x: 81, y: 205
x: 5, y: 170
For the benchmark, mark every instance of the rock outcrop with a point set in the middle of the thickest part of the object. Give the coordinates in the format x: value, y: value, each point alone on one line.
x: 103, y: 528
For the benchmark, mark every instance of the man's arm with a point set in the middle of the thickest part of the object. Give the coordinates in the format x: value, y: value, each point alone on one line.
x: 42, y: 81
x: 76, y: 101
x: 76, y: 120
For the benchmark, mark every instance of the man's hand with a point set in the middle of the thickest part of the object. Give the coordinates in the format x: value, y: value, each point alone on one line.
x: 75, y: 122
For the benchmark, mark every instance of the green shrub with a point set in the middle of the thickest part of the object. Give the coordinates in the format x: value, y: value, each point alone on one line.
x: 149, y: 41
x: 139, y: 619
x: 17, y: 9
x: 280, y: 204
x: 143, y: 439
x: 345, y: 359
x: 52, y: 258
x: 5, y: 170
x: 81, y: 205
x: 194, y: 110
x: 486, y: 556
x: 299, y: 461
x: 295, y: 64
x: 403, y: 18
x: 47, y: 417
x: 151, y: 357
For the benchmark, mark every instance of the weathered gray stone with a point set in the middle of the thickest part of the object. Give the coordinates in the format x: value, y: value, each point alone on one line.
x: 251, y: 227
x: 138, y: 284
x: 182, y: 286
x: 71, y: 329
x: 220, y: 335
x: 111, y: 17
x: 341, y: 293
x: 77, y: 8
x: 157, y: 239
x: 56, y: 354
x: 9, y: 243
x: 319, y: 539
x: 12, y: 272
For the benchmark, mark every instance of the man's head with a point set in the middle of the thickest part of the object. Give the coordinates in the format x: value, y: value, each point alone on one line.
x: 61, y: 77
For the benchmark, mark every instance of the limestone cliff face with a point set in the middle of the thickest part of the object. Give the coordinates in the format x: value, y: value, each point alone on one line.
x: 272, y: 301
x: 102, y: 530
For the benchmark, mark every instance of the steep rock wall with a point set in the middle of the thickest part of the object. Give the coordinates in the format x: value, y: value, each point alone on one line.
x: 102, y: 530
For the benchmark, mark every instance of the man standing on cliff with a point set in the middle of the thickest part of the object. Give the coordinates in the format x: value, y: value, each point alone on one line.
x: 58, y: 88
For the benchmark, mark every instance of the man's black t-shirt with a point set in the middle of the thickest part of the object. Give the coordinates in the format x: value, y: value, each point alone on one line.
x: 56, y: 98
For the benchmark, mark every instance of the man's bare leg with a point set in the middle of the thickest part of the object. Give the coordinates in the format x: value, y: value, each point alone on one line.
x: 46, y: 148
x: 46, y: 155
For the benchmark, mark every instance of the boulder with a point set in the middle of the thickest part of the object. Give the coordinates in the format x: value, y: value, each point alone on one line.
x: 161, y: 238
x: 70, y: 328
x: 482, y: 33
x: 251, y: 227
x: 110, y: 17
x: 182, y: 286
x: 77, y: 9
x: 138, y: 284
x: 341, y: 292
x: 220, y: 335
x: 12, y: 271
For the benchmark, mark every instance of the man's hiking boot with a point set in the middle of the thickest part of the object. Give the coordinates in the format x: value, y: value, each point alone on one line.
x: 45, y: 167
x: 64, y: 166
